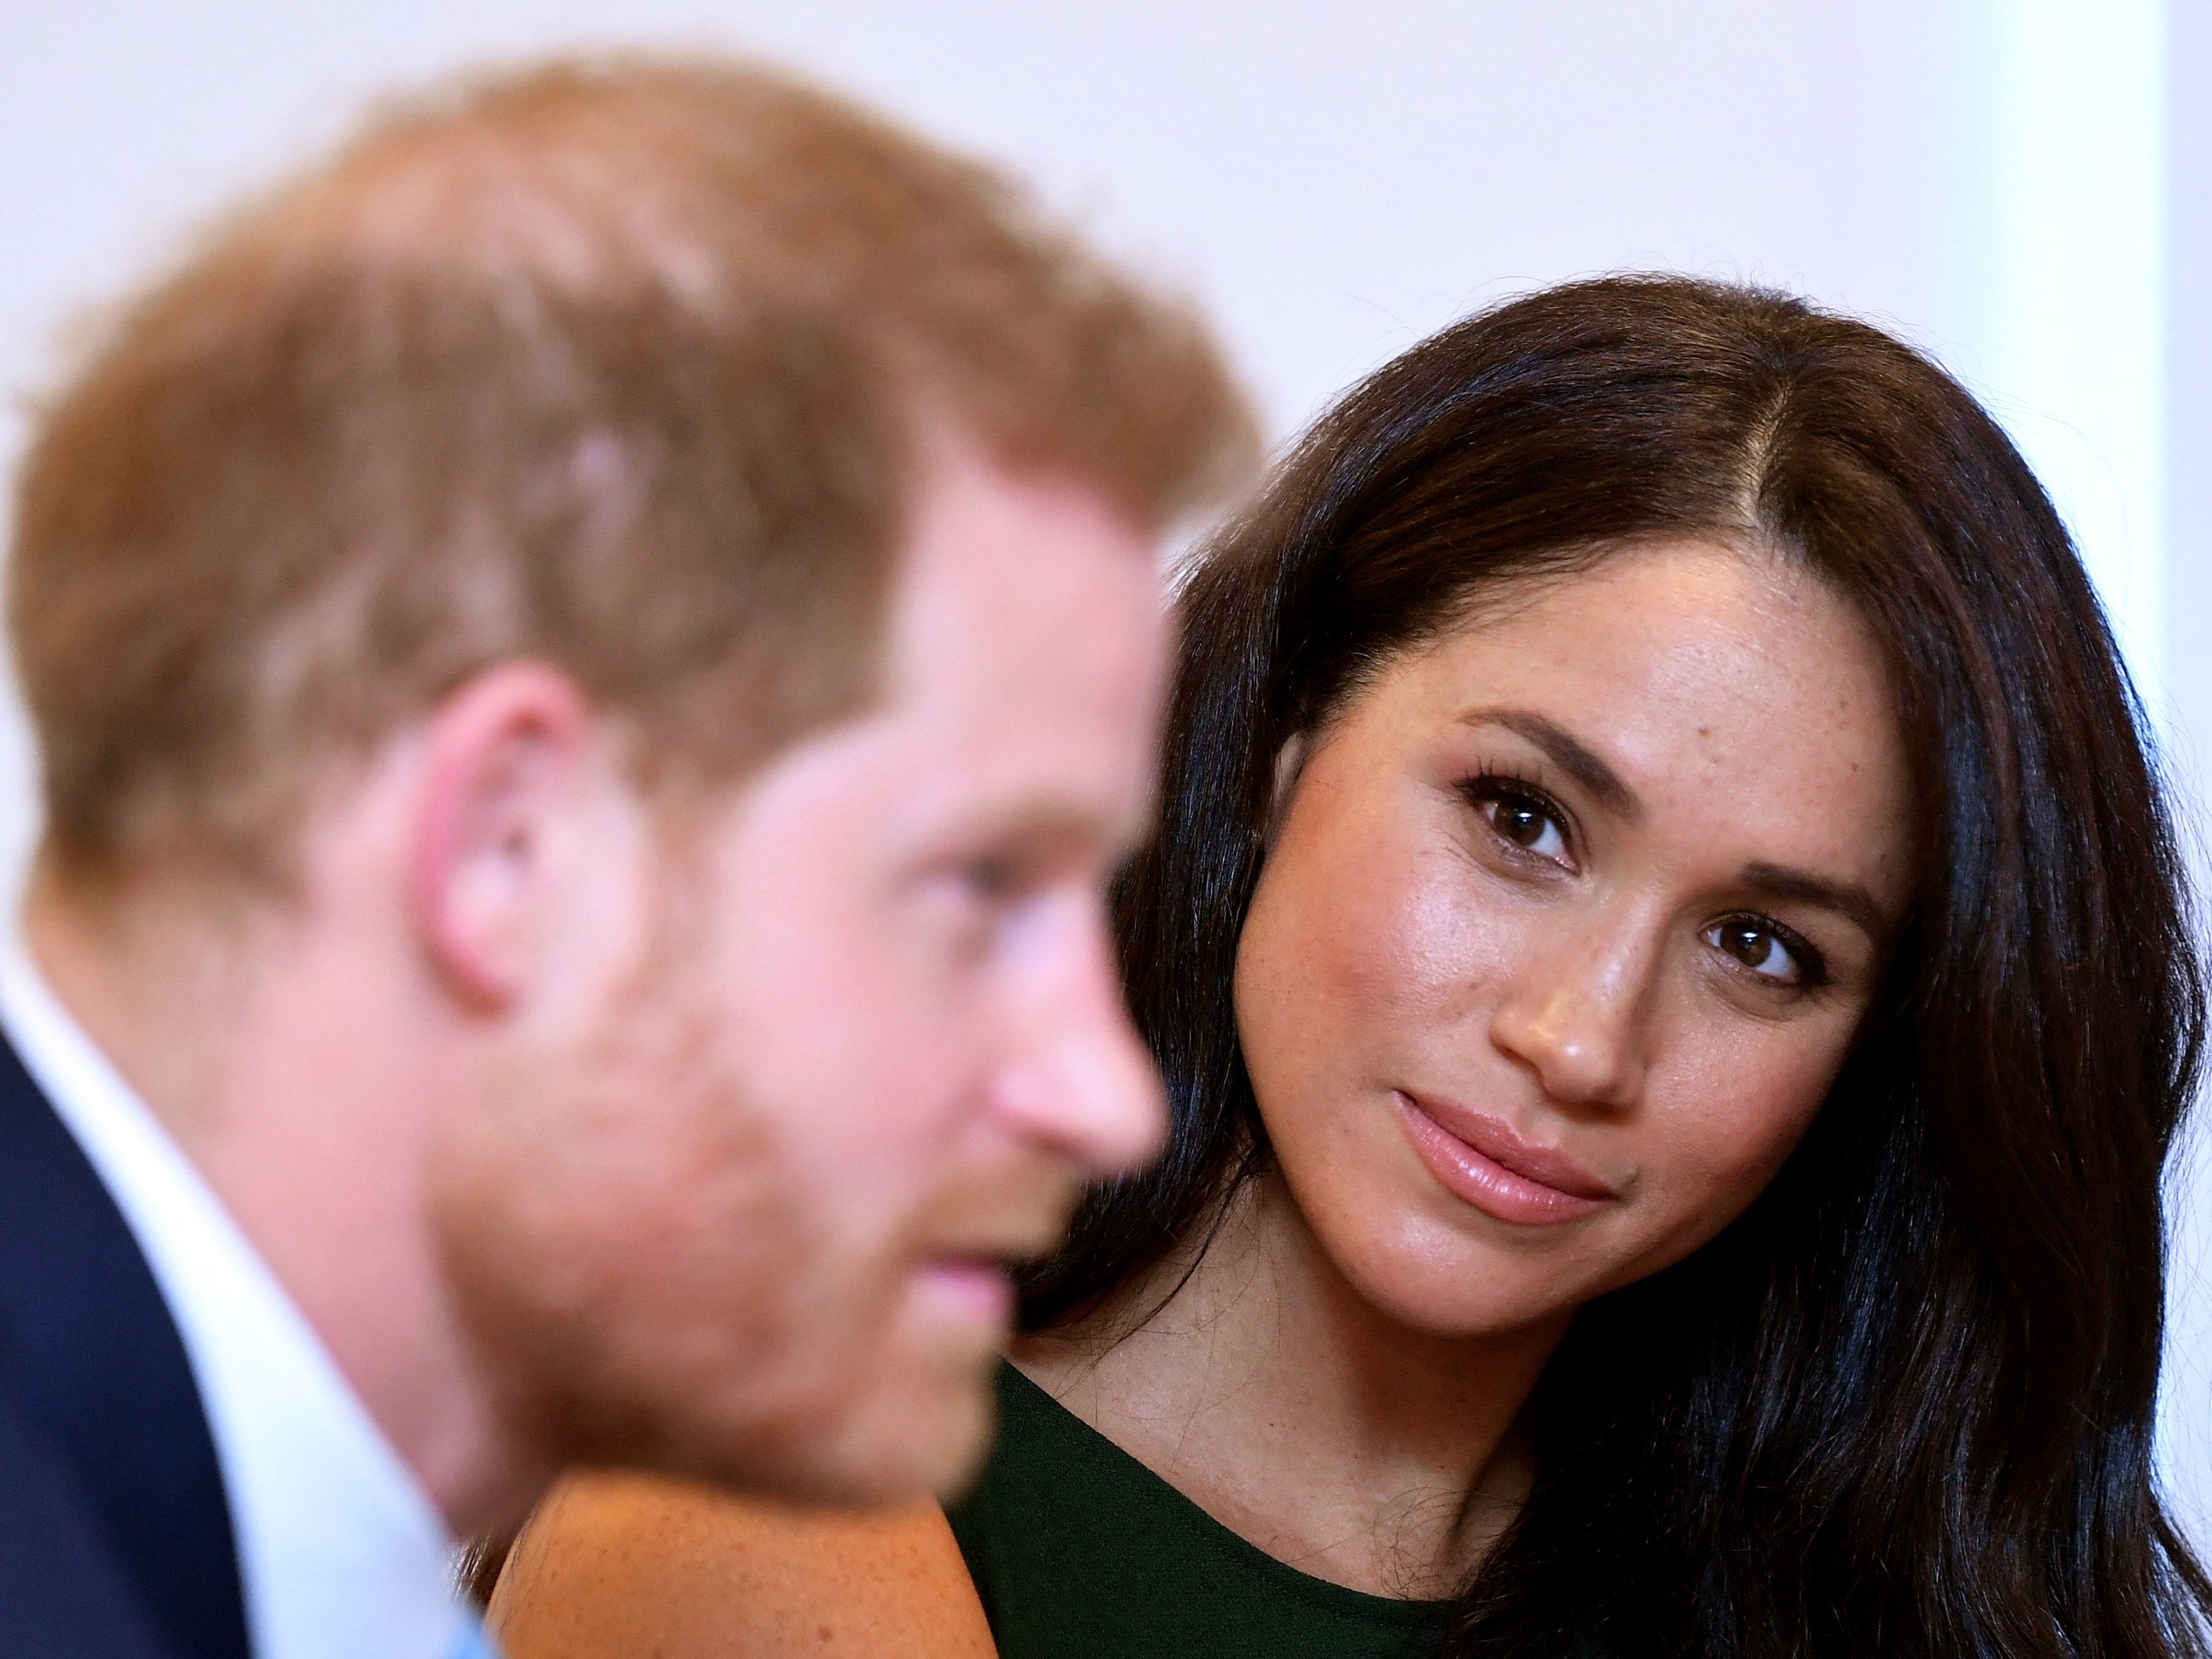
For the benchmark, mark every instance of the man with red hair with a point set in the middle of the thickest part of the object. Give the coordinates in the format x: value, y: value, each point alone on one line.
x: 592, y: 657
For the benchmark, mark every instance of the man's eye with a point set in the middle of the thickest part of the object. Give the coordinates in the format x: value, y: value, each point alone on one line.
x: 1526, y: 822
x: 1764, y: 949
x: 994, y: 880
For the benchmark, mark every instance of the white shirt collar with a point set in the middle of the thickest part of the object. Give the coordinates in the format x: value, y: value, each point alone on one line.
x: 341, y: 1553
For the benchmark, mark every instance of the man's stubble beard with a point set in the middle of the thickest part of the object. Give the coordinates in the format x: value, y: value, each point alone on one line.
x: 640, y: 1269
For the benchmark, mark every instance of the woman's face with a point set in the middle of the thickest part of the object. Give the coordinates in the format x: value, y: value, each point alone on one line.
x: 1567, y: 923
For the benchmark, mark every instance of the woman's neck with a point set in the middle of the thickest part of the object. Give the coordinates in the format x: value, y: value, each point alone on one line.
x: 1279, y: 1399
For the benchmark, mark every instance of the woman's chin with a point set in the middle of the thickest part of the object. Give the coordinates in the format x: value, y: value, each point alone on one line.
x: 1452, y: 1288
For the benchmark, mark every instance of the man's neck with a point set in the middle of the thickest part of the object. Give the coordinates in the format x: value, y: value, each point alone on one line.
x: 261, y: 1046
x: 1273, y: 1394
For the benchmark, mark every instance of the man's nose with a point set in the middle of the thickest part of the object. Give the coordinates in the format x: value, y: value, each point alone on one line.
x: 1083, y: 1085
x: 1576, y: 1015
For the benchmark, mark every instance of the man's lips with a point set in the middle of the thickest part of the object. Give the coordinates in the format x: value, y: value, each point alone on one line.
x: 980, y: 1230
x: 974, y: 1289
x: 976, y: 1274
x: 1481, y: 1161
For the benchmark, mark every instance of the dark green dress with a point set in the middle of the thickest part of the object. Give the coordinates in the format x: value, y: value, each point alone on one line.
x: 1080, y: 1551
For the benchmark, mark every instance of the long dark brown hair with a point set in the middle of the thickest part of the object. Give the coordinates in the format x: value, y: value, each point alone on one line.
x: 1904, y: 1404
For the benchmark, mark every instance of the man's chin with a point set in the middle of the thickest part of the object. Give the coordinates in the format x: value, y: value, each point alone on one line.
x: 922, y: 1420
x: 941, y: 1463
x: 900, y: 1411
x: 912, y: 1437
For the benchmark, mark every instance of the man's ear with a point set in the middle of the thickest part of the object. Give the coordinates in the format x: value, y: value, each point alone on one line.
x: 503, y: 762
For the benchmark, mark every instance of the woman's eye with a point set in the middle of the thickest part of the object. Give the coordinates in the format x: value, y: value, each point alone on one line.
x: 1527, y: 824
x: 1758, y: 947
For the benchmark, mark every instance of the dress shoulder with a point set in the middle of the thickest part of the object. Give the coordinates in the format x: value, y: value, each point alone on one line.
x: 1080, y: 1551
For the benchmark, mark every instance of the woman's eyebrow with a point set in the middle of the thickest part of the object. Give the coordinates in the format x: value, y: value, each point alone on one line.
x: 1847, y: 899
x: 1568, y: 754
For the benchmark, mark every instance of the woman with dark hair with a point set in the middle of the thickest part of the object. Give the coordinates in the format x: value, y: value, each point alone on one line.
x: 1671, y: 969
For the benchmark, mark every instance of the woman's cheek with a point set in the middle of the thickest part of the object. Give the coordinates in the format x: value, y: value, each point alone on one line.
x: 1451, y: 933
x: 1720, y: 1135
x: 1347, y: 923
x: 1419, y: 932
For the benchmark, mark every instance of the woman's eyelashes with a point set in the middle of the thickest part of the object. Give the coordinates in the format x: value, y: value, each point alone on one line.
x: 1528, y: 822
x: 1768, y: 951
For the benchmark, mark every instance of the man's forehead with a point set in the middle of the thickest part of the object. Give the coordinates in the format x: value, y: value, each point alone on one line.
x: 1049, y: 770
x: 1001, y: 758
x: 1016, y: 569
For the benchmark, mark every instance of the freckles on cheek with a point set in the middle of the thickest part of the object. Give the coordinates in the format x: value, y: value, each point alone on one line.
x: 1308, y: 975
x: 1360, y: 920
x: 1403, y: 919
x: 1451, y: 936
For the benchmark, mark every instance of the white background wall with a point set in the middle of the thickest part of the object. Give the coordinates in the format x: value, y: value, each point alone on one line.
x: 2020, y: 185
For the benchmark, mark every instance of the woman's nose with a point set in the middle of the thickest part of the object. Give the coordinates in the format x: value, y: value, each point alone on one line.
x: 1575, y: 1016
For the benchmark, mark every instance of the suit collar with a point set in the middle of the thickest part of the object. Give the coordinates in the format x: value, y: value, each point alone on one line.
x: 341, y: 1553
x: 92, y: 1359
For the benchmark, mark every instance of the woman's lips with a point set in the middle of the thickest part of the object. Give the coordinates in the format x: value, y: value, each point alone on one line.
x: 1481, y: 1161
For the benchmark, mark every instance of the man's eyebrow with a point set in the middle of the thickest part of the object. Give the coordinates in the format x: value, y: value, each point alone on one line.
x: 1846, y: 898
x: 1052, y: 828
x: 1568, y: 754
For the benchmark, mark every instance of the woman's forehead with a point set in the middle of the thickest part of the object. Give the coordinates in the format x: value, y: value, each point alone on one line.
x: 1707, y: 684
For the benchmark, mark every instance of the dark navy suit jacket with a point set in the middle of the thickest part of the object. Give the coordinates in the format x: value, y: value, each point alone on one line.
x: 115, y: 1534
